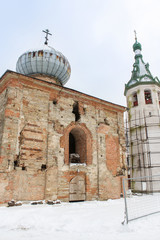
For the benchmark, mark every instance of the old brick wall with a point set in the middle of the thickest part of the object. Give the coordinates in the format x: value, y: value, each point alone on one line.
x: 111, y: 153
x: 38, y: 118
x: 3, y: 100
x: 24, y: 143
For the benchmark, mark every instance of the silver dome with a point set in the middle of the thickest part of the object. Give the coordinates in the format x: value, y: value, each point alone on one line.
x: 48, y: 62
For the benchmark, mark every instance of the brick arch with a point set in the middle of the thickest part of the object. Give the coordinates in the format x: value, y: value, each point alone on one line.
x: 65, y: 141
x: 80, y: 175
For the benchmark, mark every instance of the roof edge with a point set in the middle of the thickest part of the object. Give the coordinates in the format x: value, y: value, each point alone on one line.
x: 123, y: 108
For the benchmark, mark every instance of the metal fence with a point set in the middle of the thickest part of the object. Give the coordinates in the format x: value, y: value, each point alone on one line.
x: 140, y: 198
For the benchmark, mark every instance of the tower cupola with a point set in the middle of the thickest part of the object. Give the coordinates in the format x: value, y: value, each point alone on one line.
x: 137, y: 46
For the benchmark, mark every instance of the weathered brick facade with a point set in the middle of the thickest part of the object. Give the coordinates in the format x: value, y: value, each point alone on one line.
x: 37, y: 121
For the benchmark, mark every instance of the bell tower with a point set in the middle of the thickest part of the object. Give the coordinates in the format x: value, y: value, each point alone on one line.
x: 143, y: 101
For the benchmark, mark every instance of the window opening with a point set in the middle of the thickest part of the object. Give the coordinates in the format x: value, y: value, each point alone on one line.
x: 40, y: 53
x: 77, y: 146
x: 43, y: 167
x: 135, y: 99
x: 34, y: 54
x: 159, y: 97
x: 71, y: 143
x: 74, y: 157
x: 54, y: 101
x: 23, y: 167
x: 148, y: 97
x: 76, y: 111
x: 16, y: 164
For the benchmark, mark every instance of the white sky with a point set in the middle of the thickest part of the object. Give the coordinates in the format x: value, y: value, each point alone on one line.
x: 95, y: 35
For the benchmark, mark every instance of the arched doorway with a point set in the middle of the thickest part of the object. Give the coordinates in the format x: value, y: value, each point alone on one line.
x: 77, y: 146
x: 77, y: 190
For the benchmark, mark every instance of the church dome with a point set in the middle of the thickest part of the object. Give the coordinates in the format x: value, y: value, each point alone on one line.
x: 47, y: 62
x: 137, y: 46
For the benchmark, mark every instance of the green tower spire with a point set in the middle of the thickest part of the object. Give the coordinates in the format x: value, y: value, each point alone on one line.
x: 140, y: 73
x: 136, y: 45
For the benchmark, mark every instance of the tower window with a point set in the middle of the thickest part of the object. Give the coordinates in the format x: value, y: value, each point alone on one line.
x: 159, y: 97
x: 148, y: 97
x: 135, y: 99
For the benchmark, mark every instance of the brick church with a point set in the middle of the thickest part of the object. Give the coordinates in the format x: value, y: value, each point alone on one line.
x: 55, y: 142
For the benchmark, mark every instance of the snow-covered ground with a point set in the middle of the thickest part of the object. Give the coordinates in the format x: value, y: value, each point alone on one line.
x: 79, y: 221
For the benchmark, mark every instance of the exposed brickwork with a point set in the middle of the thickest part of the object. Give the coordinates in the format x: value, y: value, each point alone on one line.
x: 36, y: 118
x: 112, y: 153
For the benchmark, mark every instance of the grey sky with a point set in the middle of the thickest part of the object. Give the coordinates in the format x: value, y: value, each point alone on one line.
x: 95, y: 35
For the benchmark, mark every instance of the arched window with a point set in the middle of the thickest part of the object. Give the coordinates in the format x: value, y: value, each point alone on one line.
x: 148, y: 96
x: 135, y: 99
x: 77, y: 146
x: 77, y: 139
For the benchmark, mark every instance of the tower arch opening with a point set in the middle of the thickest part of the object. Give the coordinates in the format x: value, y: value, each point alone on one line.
x: 135, y: 99
x: 158, y: 97
x: 148, y: 96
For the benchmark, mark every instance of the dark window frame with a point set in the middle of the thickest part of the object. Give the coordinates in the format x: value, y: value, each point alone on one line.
x: 148, y: 96
x: 135, y: 99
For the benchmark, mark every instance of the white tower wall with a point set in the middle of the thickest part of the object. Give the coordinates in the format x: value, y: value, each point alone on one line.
x: 143, y: 102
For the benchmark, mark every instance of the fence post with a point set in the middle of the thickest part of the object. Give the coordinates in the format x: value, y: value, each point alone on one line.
x: 125, y: 201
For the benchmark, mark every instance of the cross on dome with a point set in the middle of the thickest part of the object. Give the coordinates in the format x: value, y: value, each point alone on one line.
x: 46, y: 37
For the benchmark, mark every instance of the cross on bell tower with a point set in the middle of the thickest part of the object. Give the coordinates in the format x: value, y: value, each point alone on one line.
x: 46, y: 37
x: 135, y: 33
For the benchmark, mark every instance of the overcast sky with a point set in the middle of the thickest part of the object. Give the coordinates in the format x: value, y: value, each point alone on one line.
x: 95, y: 35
